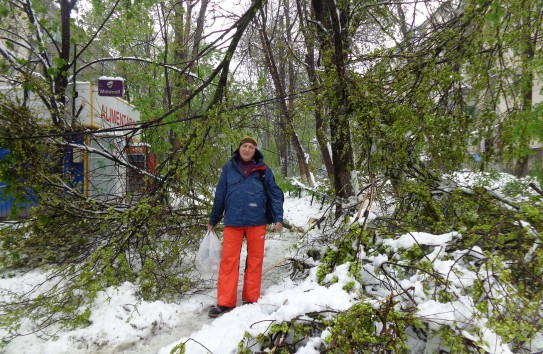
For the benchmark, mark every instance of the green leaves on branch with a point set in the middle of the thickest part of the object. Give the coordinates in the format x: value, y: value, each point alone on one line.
x: 499, y: 248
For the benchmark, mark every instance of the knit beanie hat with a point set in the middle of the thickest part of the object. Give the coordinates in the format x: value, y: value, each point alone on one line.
x: 248, y: 139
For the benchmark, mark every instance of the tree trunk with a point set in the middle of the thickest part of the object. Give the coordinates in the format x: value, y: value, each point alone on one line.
x: 310, y: 65
x: 288, y: 127
x: 199, y: 30
x: 182, y: 26
x: 334, y: 42
x: 521, y: 166
x: 61, y: 80
x: 526, y: 87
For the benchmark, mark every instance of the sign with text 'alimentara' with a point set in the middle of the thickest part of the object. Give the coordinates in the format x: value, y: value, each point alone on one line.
x: 103, y: 112
x: 109, y: 86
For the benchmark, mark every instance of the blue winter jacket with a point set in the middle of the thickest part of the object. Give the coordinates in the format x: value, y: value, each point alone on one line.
x: 243, y: 200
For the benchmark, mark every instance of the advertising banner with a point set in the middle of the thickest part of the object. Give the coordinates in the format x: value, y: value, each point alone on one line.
x: 112, y: 87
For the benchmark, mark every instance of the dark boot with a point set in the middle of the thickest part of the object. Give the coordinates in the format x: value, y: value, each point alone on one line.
x: 217, y: 310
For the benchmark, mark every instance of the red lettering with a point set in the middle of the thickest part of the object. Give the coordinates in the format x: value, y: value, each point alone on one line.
x: 115, y: 117
x: 103, y: 112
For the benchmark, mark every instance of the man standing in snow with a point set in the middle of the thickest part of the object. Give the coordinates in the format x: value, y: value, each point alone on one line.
x: 244, y: 186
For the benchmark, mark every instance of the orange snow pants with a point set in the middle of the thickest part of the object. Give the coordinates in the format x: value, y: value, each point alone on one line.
x: 227, y: 286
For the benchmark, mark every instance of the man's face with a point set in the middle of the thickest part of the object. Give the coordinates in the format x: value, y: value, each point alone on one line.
x: 247, y: 151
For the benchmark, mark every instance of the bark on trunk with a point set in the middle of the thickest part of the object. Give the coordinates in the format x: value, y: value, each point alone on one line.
x: 286, y: 114
x: 310, y: 65
x: 333, y: 36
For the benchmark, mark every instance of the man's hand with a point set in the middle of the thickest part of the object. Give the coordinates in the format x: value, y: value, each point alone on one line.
x: 277, y: 226
x: 210, y: 227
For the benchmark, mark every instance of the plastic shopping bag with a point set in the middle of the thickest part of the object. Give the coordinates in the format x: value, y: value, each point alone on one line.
x: 208, y: 258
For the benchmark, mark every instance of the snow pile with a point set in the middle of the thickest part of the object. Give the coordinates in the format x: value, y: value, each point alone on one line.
x: 123, y: 323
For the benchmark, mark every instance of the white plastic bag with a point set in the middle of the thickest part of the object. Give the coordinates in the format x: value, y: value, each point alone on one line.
x: 208, y: 258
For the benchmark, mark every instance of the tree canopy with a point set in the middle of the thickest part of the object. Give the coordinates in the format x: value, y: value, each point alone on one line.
x: 348, y: 98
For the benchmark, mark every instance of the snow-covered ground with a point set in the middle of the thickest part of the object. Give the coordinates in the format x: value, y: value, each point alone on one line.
x: 123, y: 323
